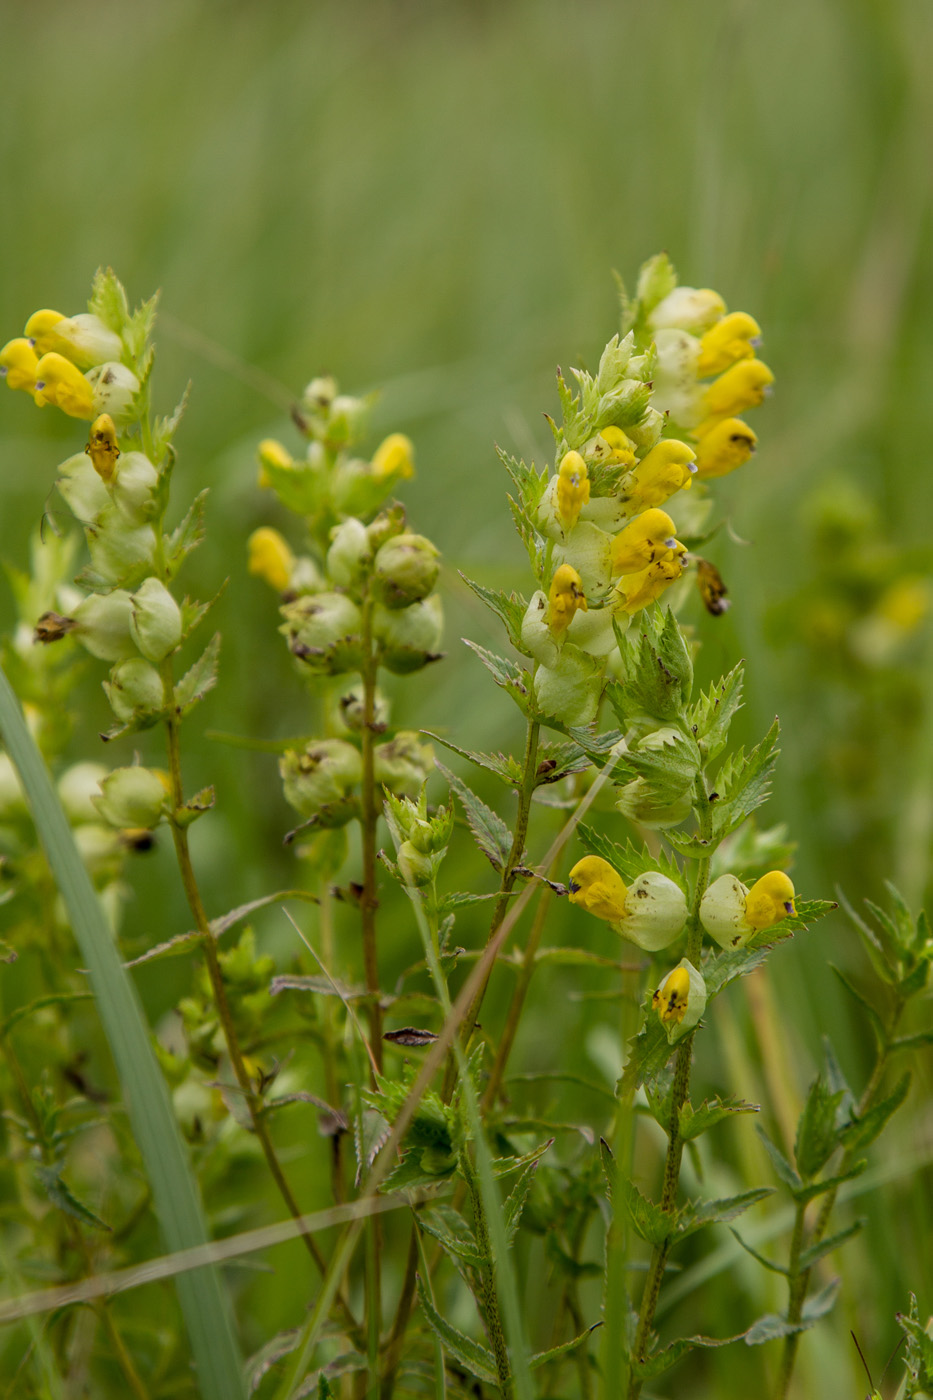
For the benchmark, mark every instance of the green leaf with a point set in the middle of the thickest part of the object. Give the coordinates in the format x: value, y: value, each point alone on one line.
x: 655, y: 672
x: 40, y: 1003
x: 649, y: 1220
x: 139, y: 328
x: 108, y: 300
x: 817, y: 1137
x: 713, y: 1212
x: 452, y: 1233
x: 188, y: 535
x: 719, y: 969
x: 503, y: 765
x: 874, y: 1019
x: 630, y: 861
x: 671, y: 768
x: 515, y: 1201
x: 860, y: 1132
x: 164, y: 429
x: 541, y: 1358
x: 529, y: 482
x: 917, y: 1041
x: 712, y: 714
x: 694, y: 1121
x: 510, y: 608
x: 505, y: 674
x: 558, y: 760
x: 649, y: 1052
x: 656, y: 280
x: 477, y: 1360
x: 768, y: 1263
x: 829, y: 1183
x: 744, y: 783
x: 772, y: 1326
x: 489, y: 830
x: 201, y: 677
x: 205, y: 1306
x: 816, y: 1252
x: 780, y: 1163
x: 63, y: 1199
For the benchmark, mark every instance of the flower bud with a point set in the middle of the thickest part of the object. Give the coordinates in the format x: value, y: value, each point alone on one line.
x: 536, y: 635
x: 114, y: 388
x: 564, y: 598
x: 102, y: 446
x: 61, y: 383
x: 388, y: 522
x: 136, y: 694
x: 570, y: 690
x: 156, y: 621
x: 638, y: 801
x: 132, y: 797
x: 352, y: 714
x: 416, y: 867
x: 650, y: 536
x: 102, y: 625
x: 347, y: 420
x: 402, y: 765
x: 78, y: 786
x: 350, y: 553
x: 394, y: 458
x: 270, y: 558
x: 680, y: 1000
x: 272, y: 457
x: 12, y: 797
x: 733, y: 338
x: 320, y: 393
x: 405, y: 570
x: 409, y: 638
x: 727, y: 445
x: 573, y: 488
x: 120, y: 553
x: 324, y: 631
x: 743, y: 386
x: 18, y: 361
x: 688, y: 308
x: 318, y: 782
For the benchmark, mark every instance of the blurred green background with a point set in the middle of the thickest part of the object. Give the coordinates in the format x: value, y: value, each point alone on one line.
x: 430, y: 198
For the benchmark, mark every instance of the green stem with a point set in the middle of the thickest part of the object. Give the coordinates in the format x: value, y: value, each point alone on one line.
x: 369, y: 817
x: 330, y: 1039
x: 402, y: 1314
x: 488, y: 1295
x: 513, y: 1017
x: 679, y: 1092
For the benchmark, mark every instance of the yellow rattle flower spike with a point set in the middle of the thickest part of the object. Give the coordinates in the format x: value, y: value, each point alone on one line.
x: 61, y: 383
x: 598, y: 888
x: 18, y: 362
x: 650, y: 536
x: 770, y: 900
x: 573, y: 488
x: 102, y: 446
x: 565, y: 597
x: 270, y: 558
x: 733, y: 338
x: 395, y: 456
x: 670, y: 999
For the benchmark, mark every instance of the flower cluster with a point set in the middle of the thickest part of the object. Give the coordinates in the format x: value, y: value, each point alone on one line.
x: 360, y: 597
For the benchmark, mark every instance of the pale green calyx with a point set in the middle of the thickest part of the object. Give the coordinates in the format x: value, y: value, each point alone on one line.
x: 135, y: 692
x: 319, y: 781
x: 405, y: 570
x: 409, y: 638
x: 570, y: 690
x: 132, y: 797
x: 402, y: 764
x: 78, y: 787
x: 349, y: 554
x: 538, y: 640
x: 102, y: 625
x: 722, y: 912
x: 655, y: 911
x: 156, y: 622
x: 324, y: 631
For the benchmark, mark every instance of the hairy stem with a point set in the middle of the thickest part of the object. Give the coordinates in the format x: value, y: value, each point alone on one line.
x: 368, y: 819
x: 487, y: 1293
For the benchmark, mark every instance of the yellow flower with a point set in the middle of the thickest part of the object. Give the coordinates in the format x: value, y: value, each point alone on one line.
x: 741, y: 387
x: 84, y: 339
x: 40, y: 328
x: 769, y: 900
x: 636, y: 591
x: 102, y: 446
x: 725, y: 446
x: 648, y: 537
x: 573, y: 488
x: 61, y: 383
x: 270, y: 557
x: 272, y: 454
x: 733, y: 338
x: 565, y: 597
x: 621, y: 449
x: 598, y: 888
x: 670, y: 1000
x: 667, y: 468
x: 18, y: 362
x: 394, y: 457
x: 905, y: 603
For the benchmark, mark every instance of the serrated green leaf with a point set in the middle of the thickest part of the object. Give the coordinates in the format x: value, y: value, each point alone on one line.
x: 655, y: 673
x: 660, y: 1361
x: 817, y: 1137
x: 762, y: 1259
x: 719, y: 969
x: 506, y: 674
x: 630, y: 861
x: 509, y: 608
x: 529, y: 482
x: 63, y: 1198
x: 772, y: 1326
x: 715, y: 1212
x: 559, y: 760
x: 477, y: 1360
x: 457, y: 1239
x: 186, y: 537
x: 108, y: 300
x: 541, y: 1358
x: 137, y: 331
x: 200, y: 678
x: 489, y: 830
x: 781, y: 1165
x: 694, y: 1121
x: 656, y: 280
x: 649, y: 1052
x: 649, y: 1220
x: 164, y: 429
x: 829, y: 1183
x: 503, y: 765
x: 744, y: 783
x: 816, y: 1252
x: 712, y: 715
x: 862, y: 1131
x: 504, y: 1166
x: 515, y: 1201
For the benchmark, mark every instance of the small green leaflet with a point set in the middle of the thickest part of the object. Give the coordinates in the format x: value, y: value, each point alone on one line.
x: 489, y: 830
